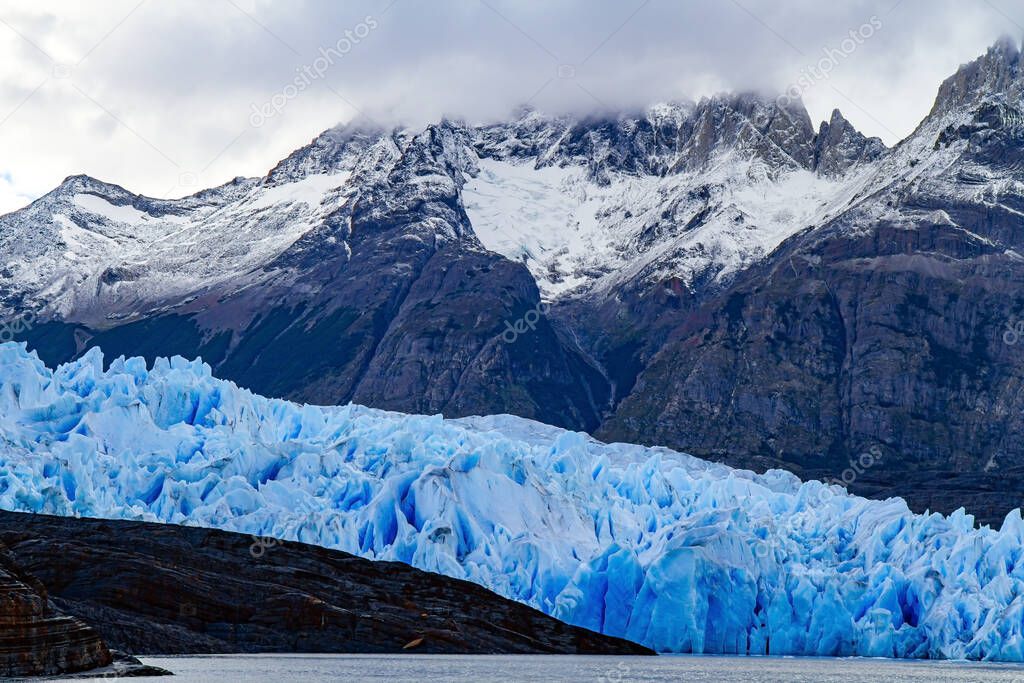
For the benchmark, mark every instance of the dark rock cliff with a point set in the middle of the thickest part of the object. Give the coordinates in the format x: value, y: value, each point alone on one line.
x: 35, y: 638
x: 165, y: 589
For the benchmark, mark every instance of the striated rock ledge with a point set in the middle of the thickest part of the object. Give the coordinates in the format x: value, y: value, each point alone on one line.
x: 166, y: 589
x: 36, y: 639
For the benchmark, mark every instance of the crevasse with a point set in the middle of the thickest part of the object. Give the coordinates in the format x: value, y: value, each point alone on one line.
x: 656, y: 546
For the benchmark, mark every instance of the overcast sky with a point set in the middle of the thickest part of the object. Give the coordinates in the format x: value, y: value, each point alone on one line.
x: 165, y: 97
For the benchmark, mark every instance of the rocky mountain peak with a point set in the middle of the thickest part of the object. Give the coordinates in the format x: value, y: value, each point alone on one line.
x: 666, y: 138
x: 529, y: 134
x: 751, y: 125
x: 996, y: 72
x: 336, y: 149
x: 838, y: 146
x: 81, y: 183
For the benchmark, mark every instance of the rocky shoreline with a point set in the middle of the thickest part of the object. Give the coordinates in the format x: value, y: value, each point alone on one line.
x: 165, y: 589
x: 37, y: 639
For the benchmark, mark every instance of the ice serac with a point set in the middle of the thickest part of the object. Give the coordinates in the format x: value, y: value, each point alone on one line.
x: 653, y: 545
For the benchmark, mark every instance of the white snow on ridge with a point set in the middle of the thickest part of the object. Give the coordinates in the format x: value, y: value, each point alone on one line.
x: 99, y: 206
x: 659, y: 547
x: 131, y: 259
x: 577, y: 236
x: 545, y: 217
x: 310, y: 190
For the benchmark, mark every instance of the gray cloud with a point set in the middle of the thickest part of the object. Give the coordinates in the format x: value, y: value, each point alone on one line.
x: 159, y: 96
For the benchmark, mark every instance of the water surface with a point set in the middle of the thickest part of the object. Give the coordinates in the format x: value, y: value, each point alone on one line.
x: 574, y: 669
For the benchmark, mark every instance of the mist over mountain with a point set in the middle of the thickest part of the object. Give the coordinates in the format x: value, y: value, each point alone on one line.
x: 83, y: 81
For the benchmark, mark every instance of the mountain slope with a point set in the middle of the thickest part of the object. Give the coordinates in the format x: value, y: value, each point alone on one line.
x: 373, y: 289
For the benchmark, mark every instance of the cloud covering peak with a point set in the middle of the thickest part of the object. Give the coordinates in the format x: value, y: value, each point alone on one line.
x: 191, y: 94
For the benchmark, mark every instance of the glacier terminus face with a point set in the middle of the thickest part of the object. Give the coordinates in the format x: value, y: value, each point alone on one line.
x: 653, y: 545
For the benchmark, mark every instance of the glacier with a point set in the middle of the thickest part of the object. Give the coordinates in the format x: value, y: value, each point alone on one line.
x: 656, y: 546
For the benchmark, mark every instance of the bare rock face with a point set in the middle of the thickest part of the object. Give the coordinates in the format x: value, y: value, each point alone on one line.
x: 161, y: 588
x: 998, y: 71
x: 890, y: 340
x: 893, y: 326
x: 839, y: 146
x: 36, y: 639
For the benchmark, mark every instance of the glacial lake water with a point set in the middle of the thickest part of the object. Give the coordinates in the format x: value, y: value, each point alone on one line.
x: 512, y: 669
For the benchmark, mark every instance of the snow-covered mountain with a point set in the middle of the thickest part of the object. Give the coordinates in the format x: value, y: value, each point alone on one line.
x: 677, y: 553
x: 94, y: 252
x: 584, y: 204
x: 355, y: 250
x: 694, y: 192
x: 586, y: 227
x: 398, y: 259
x: 719, y: 276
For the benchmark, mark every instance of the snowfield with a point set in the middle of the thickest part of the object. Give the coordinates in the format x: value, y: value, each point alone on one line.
x: 659, y: 547
x: 577, y: 236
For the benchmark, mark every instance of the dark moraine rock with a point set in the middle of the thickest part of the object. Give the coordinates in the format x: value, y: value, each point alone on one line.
x: 155, y: 588
x: 35, y: 638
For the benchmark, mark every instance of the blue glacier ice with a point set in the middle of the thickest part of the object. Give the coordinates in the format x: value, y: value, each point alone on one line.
x: 656, y: 546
